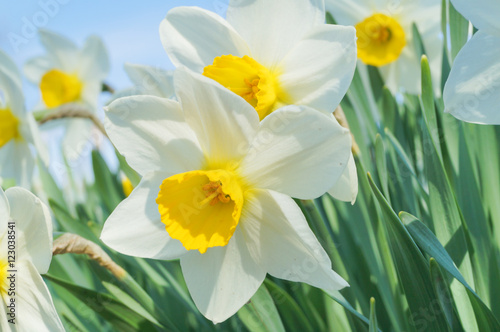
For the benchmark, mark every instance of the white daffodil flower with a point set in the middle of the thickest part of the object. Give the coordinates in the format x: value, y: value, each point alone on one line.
x: 25, y: 253
x: 472, y: 92
x: 385, y: 37
x: 67, y: 74
x: 18, y: 129
x: 271, y: 54
x: 216, y: 186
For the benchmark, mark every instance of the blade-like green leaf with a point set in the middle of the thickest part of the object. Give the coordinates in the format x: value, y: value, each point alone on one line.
x: 373, y: 316
x: 428, y: 242
x: 412, y: 268
x: 106, y: 306
x: 106, y: 183
x: 444, y: 296
x: 459, y: 30
x: 260, y: 314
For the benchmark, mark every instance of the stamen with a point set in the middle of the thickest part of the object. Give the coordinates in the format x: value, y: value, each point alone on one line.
x: 211, y: 198
x: 214, y: 194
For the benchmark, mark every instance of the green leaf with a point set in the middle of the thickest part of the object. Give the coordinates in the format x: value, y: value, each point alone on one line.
x: 418, y: 43
x: 444, y: 296
x: 260, y: 314
x: 446, y: 217
x: 291, y: 313
x: 127, y: 300
x: 339, y: 298
x: 427, y: 101
x: 373, y: 316
x: 106, y: 306
x: 427, y: 241
x: 381, y: 163
x: 412, y: 268
x: 108, y: 186
x: 70, y: 224
x: 459, y: 30
x: 330, y: 19
x: 132, y: 175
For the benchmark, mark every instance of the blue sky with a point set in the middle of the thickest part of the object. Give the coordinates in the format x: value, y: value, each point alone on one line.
x: 129, y: 30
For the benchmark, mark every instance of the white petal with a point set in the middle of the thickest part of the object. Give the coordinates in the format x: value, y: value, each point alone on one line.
x: 297, y: 151
x: 223, y: 279
x: 35, y: 309
x: 35, y: 68
x: 319, y: 69
x: 426, y: 14
x: 280, y: 239
x: 152, y: 135
x: 272, y: 28
x: 348, y: 12
x: 472, y: 92
x: 77, y: 141
x: 194, y: 37
x: 135, y: 228
x: 34, y: 137
x: 94, y: 60
x: 90, y: 94
x: 4, y: 324
x: 404, y: 73
x: 10, y: 68
x: 17, y: 162
x: 33, y: 226
x: 346, y: 188
x: 62, y: 51
x: 4, y: 212
x: 13, y: 94
x: 483, y: 14
x: 224, y: 122
x: 152, y: 81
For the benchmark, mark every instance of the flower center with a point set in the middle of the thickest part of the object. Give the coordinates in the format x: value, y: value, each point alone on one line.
x: 201, y: 208
x: 381, y: 40
x: 248, y: 79
x: 59, y: 88
x: 9, y: 126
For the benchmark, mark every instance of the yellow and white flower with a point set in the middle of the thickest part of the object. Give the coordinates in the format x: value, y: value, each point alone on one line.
x: 25, y: 253
x: 18, y: 129
x: 472, y: 92
x: 216, y: 186
x: 271, y: 54
x: 67, y: 74
x: 268, y: 52
x: 385, y: 37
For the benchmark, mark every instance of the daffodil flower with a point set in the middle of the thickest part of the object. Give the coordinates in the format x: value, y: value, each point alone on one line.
x: 216, y: 186
x: 18, y: 129
x: 67, y: 74
x: 271, y: 54
x: 385, y: 37
x: 25, y: 253
x: 472, y: 92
